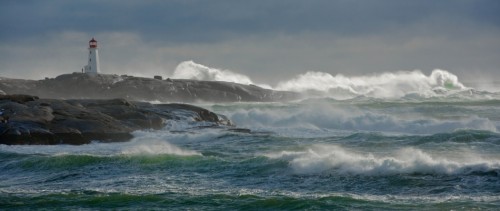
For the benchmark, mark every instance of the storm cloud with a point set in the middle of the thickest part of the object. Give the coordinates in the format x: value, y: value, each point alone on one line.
x: 266, y: 40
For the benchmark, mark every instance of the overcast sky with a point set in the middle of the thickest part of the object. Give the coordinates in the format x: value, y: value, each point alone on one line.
x: 268, y: 40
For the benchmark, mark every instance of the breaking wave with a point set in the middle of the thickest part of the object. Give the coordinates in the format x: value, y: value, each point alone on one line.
x: 192, y: 70
x: 321, y: 116
x: 335, y: 159
x: 138, y: 146
x: 385, y: 85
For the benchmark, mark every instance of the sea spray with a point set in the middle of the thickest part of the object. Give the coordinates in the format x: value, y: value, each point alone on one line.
x: 215, y: 168
x: 385, y: 85
x: 338, y: 160
x: 370, y: 153
x: 192, y: 70
x: 319, y: 116
x: 312, y: 83
x: 141, y: 145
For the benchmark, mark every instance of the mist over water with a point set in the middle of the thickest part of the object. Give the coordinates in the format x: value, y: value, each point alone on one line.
x: 192, y: 70
x: 385, y: 85
x: 347, y: 117
x: 407, y: 160
x: 392, y: 141
x: 389, y: 85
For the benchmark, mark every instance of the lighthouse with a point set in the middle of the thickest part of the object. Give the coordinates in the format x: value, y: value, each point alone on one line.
x: 92, y: 68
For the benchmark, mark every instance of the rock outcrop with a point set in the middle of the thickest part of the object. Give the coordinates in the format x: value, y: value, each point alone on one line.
x: 83, y: 86
x: 26, y: 119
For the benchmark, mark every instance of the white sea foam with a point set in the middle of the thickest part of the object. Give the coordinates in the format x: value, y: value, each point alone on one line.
x: 178, y: 134
x: 384, y: 85
x: 139, y: 145
x: 155, y: 147
x: 335, y: 159
x: 320, y: 116
x: 192, y: 70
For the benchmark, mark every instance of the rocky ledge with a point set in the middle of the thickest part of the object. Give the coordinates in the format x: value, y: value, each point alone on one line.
x: 26, y: 119
x: 104, y: 86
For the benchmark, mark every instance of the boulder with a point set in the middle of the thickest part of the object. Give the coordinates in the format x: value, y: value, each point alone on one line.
x: 30, y: 120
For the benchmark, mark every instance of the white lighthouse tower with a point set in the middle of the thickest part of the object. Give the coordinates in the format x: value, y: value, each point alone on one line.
x: 92, y: 68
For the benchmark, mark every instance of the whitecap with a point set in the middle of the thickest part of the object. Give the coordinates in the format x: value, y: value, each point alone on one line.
x: 385, y: 85
x: 339, y: 160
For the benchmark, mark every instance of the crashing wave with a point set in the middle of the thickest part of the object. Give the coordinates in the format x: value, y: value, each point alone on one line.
x: 320, y: 116
x: 389, y: 85
x: 192, y: 70
x: 386, y: 85
x: 335, y: 159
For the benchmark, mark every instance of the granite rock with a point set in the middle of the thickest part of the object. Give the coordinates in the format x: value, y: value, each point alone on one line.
x: 26, y: 119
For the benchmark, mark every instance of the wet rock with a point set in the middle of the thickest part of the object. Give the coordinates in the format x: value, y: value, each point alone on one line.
x: 103, y: 86
x: 240, y: 130
x: 50, y: 121
x: 20, y: 98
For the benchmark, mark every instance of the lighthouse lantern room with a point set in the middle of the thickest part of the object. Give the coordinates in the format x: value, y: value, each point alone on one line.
x: 92, y: 68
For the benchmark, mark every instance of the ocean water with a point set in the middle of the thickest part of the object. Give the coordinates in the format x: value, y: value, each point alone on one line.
x: 362, y: 151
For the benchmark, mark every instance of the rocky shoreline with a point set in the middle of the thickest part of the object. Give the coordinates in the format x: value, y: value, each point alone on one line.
x: 105, y: 86
x: 29, y: 120
x: 79, y: 108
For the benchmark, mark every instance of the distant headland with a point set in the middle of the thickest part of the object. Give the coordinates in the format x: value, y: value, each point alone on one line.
x: 90, y: 83
x: 107, y: 86
x: 84, y: 106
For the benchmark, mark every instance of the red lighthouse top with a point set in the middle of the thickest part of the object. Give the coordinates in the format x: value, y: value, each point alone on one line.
x: 93, y: 43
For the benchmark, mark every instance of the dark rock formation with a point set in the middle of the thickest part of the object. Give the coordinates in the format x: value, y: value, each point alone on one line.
x: 83, y: 86
x: 27, y: 119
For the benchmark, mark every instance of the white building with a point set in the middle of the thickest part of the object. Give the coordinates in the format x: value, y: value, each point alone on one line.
x: 92, y: 68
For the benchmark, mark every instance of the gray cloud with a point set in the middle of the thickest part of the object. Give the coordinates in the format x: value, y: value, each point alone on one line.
x: 188, y: 20
x: 267, y: 40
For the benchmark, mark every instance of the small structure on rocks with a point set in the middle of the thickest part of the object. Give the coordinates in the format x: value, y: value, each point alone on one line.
x: 92, y: 68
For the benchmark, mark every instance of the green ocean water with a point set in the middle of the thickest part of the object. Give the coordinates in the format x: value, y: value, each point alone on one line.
x: 315, y: 154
